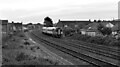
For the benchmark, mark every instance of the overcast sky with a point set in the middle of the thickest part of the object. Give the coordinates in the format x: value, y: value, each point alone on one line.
x: 37, y: 10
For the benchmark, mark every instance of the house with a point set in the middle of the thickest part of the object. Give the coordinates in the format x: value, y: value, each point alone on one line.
x: 4, y: 24
x: 91, y: 32
x: 107, y: 24
x: 76, y: 25
x: 38, y: 26
x: 17, y: 26
x: 117, y: 21
x: 115, y: 29
x: 11, y: 28
x: 4, y: 30
x: 72, y: 24
x: 83, y: 31
x: 30, y: 27
x: 91, y: 29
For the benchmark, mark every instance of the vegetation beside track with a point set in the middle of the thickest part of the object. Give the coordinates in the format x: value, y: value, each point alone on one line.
x: 61, y: 47
x: 19, y: 50
x: 107, y: 41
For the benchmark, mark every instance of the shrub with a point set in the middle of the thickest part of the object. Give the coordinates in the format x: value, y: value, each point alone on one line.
x: 26, y: 43
x: 21, y: 35
x: 114, y: 43
x: 92, y: 40
x: 107, y: 40
x: 4, y: 47
x: 68, y: 32
x: 97, y: 40
x: 21, y: 57
x: 82, y: 37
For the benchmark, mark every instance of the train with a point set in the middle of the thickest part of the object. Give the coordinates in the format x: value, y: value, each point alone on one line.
x: 52, y: 31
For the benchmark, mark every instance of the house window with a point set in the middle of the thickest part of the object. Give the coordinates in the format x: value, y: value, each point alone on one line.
x: 91, y: 33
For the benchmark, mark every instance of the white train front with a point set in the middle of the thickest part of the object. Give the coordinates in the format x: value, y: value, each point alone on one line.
x: 52, y: 31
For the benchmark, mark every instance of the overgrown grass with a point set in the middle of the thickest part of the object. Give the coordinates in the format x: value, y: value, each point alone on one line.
x: 108, y: 41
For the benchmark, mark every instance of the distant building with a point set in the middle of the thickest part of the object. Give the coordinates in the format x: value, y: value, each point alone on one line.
x: 116, y: 22
x: 4, y: 24
x: 37, y: 26
x: 108, y: 24
x: 115, y: 29
x: 30, y: 27
x: 91, y: 29
x: 72, y: 24
x: 17, y: 26
x: 11, y: 28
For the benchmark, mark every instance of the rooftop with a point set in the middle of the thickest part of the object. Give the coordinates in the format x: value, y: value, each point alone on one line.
x: 3, y: 22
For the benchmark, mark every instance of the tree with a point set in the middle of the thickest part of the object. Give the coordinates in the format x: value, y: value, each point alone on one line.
x: 104, y: 30
x: 95, y: 21
x: 29, y: 24
x: 107, y: 31
x: 38, y: 24
x: 99, y: 21
x: 48, y: 22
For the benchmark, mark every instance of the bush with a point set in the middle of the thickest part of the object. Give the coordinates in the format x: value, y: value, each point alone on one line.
x: 68, y: 31
x: 92, y: 40
x: 21, y: 57
x: 97, y: 40
x: 4, y: 47
x: 114, y: 43
x: 21, y: 35
x: 84, y: 37
x: 5, y: 60
x: 26, y: 43
x: 107, y: 40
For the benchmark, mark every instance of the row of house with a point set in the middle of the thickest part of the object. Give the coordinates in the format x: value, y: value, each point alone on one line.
x: 75, y: 25
x: 90, y: 28
x: 9, y: 28
x: 72, y: 24
x: 31, y: 26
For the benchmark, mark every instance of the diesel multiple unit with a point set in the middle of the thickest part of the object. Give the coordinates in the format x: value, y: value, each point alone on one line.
x: 53, y: 31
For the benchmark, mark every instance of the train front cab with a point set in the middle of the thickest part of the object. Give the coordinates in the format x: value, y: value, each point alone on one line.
x: 59, y: 32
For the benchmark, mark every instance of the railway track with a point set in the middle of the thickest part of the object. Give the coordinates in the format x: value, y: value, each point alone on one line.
x: 97, y: 50
x: 99, y: 46
x: 91, y: 60
x: 101, y: 50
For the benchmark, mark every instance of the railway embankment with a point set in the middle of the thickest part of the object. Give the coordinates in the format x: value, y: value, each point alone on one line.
x: 20, y: 50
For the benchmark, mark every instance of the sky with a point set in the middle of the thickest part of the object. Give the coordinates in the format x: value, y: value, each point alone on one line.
x: 27, y: 11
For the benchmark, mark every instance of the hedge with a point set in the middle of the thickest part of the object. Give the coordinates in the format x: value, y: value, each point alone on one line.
x: 108, y: 41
